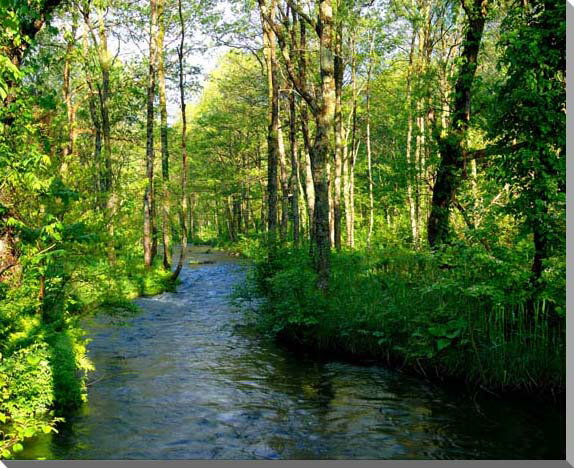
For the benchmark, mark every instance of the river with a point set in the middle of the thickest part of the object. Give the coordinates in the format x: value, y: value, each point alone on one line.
x: 183, y: 379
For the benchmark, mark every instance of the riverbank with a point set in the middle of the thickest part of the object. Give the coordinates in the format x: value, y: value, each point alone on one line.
x: 468, y: 322
x: 43, y: 360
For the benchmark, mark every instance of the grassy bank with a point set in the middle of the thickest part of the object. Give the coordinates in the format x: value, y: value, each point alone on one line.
x: 43, y: 361
x: 460, y: 315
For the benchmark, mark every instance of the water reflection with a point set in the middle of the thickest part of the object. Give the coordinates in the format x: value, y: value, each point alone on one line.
x: 184, y: 380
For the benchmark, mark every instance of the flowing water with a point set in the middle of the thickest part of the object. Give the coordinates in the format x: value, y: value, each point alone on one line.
x: 184, y: 379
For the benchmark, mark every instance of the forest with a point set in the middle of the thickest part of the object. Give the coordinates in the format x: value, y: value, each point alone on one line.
x: 394, y: 172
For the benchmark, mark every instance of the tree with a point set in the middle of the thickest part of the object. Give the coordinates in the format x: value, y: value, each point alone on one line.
x: 530, y: 110
x: 451, y: 143
x: 149, y: 238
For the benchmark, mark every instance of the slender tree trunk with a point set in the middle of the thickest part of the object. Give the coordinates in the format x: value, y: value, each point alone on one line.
x: 165, y: 212
x: 339, y: 71
x: 352, y: 189
x: 294, y: 182
x: 149, y: 212
x: 369, y: 157
x: 331, y: 202
x: 110, y: 197
x: 194, y: 224
x: 309, y: 187
x: 184, y: 195
x: 105, y: 64
x: 310, y: 193
x: 68, y: 97
x: 284, y: 179
x: 107, y: 199
x: 410, y: 165
x: 346, y: 194
x: 350, y: 156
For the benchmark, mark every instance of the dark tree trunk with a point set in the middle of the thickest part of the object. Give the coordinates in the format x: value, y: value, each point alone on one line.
x: 267, y: 9
x: 294, y: 183
x: 149, y: 210
x: 165, y: 212
x: 451, y: 146
x: 184, y: 195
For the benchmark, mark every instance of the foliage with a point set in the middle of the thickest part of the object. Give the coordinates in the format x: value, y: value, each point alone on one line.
x: 460, y: 314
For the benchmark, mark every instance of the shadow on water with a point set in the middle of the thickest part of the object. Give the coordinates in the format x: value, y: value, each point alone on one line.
x: 185, y: 379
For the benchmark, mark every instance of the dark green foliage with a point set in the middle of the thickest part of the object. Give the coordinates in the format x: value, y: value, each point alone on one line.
x: 460, y: 314
x: 531, y: 109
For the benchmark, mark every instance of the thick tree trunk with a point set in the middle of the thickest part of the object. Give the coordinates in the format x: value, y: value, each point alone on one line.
x: 267, y: 10
x: 451, y: 146
x: 322, y: 146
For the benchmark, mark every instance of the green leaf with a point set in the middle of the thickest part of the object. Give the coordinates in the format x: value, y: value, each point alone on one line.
x: 17, y: 448
x: 453, y: 334
x: 33, y: 360
x: 437, y: 331
x: 442, y: 343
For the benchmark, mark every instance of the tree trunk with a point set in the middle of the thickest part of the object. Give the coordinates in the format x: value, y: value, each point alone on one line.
x: 349, y: 157
x: 339, y: 71
x: 369, y: 158
x: 149, y: 212
x: 69, y: 101
x: 165, y: 212
x: 410, y: 165
x: 309, y: 187
x: 322, y: 146
x: 184, y: 195
x: 284, y: 179
x: 451, y: 147
x: 267, y: 10
x: 294, y: 182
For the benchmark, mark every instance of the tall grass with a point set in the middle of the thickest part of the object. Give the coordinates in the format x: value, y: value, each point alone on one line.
x: 461, y: 314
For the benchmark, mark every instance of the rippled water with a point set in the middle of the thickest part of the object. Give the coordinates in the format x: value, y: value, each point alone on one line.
x: 183, y: 379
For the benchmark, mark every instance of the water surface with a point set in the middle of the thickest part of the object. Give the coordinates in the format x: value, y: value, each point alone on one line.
x: 183, y: 379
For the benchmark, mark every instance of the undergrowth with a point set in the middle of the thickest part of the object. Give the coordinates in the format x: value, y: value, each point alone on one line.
x: 461, y: 314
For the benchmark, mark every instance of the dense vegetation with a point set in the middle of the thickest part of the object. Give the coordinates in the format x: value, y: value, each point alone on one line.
x: 395, y: 169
